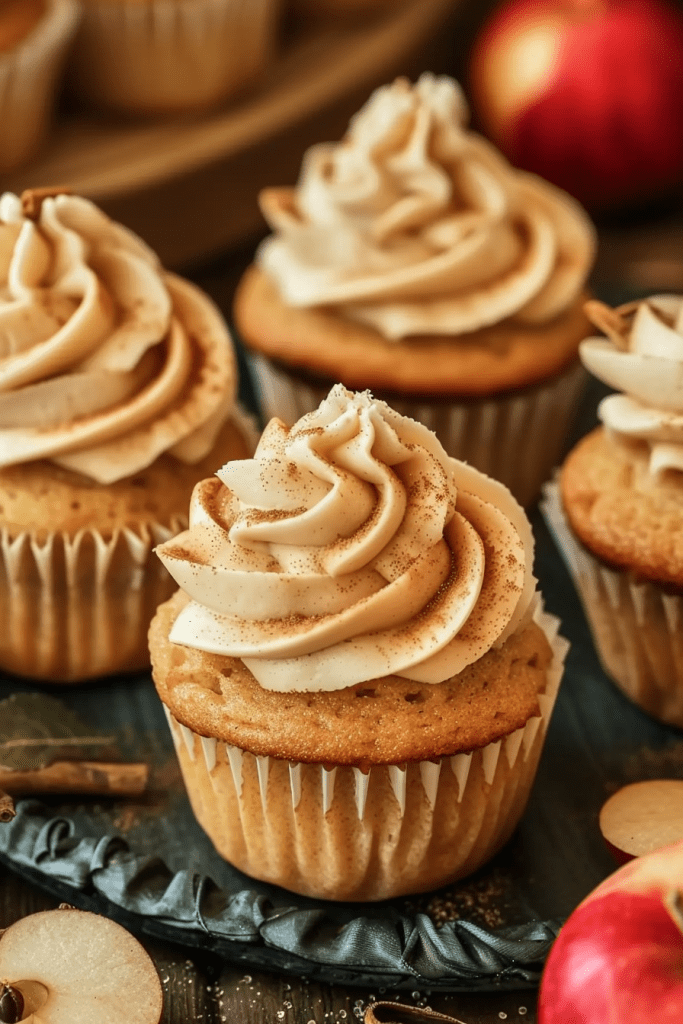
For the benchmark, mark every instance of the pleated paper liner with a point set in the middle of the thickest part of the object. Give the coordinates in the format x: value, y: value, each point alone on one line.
x: 77, y: 607
x: 171, y: 55
x: 516, y: 438
x: 337, y: 832
x: 636, y: 625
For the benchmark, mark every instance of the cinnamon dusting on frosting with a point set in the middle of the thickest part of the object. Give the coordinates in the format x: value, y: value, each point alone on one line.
x: 416, y: 226
x: 106, y: 361
x: 402, y: 561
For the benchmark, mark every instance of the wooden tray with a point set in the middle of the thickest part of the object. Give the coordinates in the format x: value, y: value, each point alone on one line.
x: 189, y: 186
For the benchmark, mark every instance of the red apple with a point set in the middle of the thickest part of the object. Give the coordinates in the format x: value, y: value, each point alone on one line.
x: 619, y: 957
x: 586, y: 93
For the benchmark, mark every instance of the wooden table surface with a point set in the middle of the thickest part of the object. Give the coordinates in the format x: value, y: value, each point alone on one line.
x: 204, y: 991
x: 644, y: 255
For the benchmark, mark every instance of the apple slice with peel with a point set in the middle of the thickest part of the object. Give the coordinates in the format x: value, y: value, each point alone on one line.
x: 69, y: 966
x: 643, y: 817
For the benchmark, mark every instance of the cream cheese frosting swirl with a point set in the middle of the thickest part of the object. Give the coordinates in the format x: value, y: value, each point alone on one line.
x: 642, y: 356
x: 415, y: 225
x: 106, y: 361
x: 351, y: 547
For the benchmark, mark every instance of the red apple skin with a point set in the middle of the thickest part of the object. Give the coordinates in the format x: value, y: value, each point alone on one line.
x: 601, y: 121
x: 619, y: 957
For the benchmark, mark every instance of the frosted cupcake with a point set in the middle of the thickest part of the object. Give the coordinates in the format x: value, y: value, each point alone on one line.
x: 356, y: 671
x: 618, y: 511
x: 117, y: 392
x: 34, y: 36
x: 413, y: 260
x: 169, y: 56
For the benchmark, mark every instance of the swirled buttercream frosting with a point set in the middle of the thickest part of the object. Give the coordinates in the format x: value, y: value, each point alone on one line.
x: 415, y: 225
x: 642, y: 356
x: 106, y: 361
x: 351, y: 547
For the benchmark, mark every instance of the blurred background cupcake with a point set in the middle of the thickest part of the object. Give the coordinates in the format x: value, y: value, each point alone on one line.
x: 618, y: 511
x: 34, y: 36
x: 413, y: 260
x: 357, y: 672
x: 117, y: 393
x: 168, y: 56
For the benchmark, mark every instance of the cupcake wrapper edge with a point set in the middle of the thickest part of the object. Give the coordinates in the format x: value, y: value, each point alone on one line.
x: 74, y: 607
x: 635, y: 624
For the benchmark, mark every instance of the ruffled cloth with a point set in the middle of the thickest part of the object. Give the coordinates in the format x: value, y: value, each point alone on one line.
x: 642, y: 356
x: 351, y: 547
x: 106, y: 361
x: 414, y: 225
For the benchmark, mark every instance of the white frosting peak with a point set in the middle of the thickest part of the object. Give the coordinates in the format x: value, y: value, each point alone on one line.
x: 417, y: 226
x: 105, y: 360
x: 642, y: 356
x: 351, y: 547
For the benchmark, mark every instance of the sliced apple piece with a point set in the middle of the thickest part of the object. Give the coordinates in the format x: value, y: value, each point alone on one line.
x: 643, y: 817
x: 73, y: 967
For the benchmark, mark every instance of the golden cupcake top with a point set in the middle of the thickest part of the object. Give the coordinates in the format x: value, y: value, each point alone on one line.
x: 106, y: 360
x: 351, y: 547
x: 415, y: 225
x: 642, y: 356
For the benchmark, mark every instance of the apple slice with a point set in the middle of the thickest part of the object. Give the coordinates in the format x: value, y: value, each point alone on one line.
x: 643, y: 817
x: 68, y: 966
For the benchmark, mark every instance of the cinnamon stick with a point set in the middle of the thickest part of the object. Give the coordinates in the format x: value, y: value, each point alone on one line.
x: 89, y: 777
x: 32, y: 198
x: 7, y: 811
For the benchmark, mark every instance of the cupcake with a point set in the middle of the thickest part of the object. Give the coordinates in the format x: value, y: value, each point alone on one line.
x: 169, y: 56
x: 411, y: 259
x: 34, y: 35
x: 356, y: 671
x: 618, y: 510
x: 117, y: 391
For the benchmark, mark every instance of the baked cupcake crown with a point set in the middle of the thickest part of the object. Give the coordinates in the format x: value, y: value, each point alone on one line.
x: 351, y: 547
x: 415, y: 225
x: 106, y: 361
x: 642, y: 356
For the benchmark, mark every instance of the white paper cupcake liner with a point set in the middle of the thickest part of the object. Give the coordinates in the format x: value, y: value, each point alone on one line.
x: 636, y: 626
x: 77, y: 607
x: 342, y: 833
x: 28, y: 83
x: 171, y: 55
x: 517, y: 438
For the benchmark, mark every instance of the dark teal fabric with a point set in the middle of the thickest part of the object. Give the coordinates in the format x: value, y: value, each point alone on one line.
x: 371, y: 945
